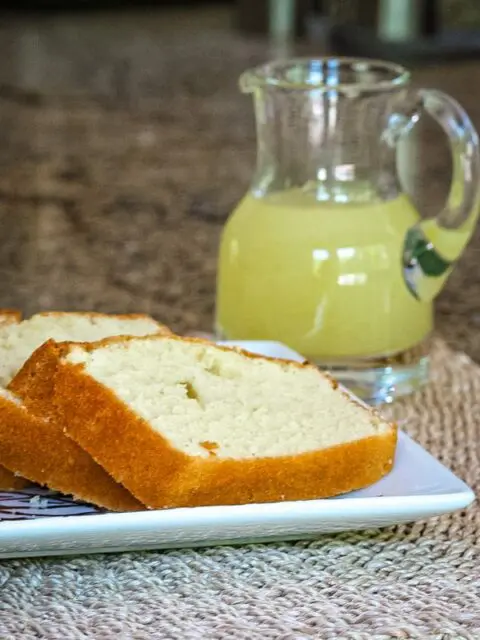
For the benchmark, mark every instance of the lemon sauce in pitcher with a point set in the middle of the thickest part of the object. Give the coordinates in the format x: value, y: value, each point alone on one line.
x: 325, y: 278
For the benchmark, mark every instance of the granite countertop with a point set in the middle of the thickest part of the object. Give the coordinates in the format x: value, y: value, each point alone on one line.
x: 124, y: 144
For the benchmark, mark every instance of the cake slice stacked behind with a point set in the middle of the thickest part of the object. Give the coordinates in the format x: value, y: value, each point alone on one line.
x: 33, y: 444
x: 8, y: 480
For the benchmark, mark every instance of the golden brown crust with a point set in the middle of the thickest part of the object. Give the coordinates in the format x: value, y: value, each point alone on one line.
x: 10, y: 482
x: 161, y: 476
x: 38, y: 449
x: 10, y: 316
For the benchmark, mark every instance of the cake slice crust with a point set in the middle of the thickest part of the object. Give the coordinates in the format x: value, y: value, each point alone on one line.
x: 8, y: 480
x: 36, y: 448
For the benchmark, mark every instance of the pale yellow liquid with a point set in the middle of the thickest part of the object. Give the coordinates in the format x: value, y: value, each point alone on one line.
x: 324, y: 278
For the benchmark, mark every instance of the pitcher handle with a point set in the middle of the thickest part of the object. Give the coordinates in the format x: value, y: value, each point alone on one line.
x: 432, y: 246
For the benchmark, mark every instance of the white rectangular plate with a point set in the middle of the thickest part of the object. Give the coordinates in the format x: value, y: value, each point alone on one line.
x: 418, y: 487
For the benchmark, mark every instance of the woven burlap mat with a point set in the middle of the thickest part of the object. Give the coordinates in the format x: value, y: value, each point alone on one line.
x: 420, y: 580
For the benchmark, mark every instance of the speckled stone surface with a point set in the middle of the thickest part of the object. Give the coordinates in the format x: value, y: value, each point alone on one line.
x: 124, y: 144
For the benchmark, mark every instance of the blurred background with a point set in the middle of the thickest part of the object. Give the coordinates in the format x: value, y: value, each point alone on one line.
x: 124, y: 142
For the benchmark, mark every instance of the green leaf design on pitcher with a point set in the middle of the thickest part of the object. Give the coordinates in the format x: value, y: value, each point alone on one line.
x: 420, y: 250
x: 432, y: 246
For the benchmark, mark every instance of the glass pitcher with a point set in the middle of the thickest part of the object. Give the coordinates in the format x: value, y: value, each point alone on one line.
x: 326, y: 253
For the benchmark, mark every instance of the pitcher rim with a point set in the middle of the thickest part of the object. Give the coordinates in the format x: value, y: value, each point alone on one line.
x: 264, y: 75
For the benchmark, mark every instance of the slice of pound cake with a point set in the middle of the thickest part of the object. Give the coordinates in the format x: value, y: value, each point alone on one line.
x: 182, y: 422
x: 8, y: 480
x: 34, y: 445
